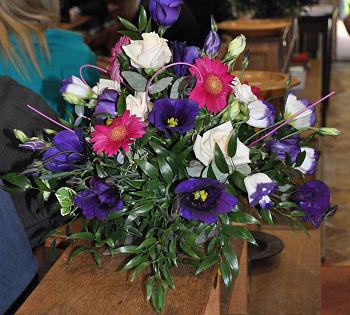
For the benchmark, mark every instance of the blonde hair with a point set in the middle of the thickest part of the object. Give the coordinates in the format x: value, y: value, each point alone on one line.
x: 25, y: 19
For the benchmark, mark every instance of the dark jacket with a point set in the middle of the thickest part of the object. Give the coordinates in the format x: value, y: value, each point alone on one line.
x: 15, y: 115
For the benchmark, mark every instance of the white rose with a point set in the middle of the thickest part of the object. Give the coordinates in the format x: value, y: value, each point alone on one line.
x: 151, y: 52
x: 106, y: 84
x: 243, y: 92
x: 204, y: 147
x: 137, y: 105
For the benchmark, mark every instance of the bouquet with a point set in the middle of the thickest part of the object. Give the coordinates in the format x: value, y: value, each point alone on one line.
x: 172, y: 156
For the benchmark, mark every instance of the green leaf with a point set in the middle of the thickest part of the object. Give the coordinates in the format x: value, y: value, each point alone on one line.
x: 238, y: 232
x: 237, y: 179
x: 183, y: 155
x: 17, y: 180
x: 131, y: 34
x: 242, y: 217
x: 148, y: 28
x: 165, y: 170
x: 82, y: 235
x: 135, y: 80
x: 128, y: 25
x: 211, y: 173
x: 231, y: 258
x: 132, y: 249
x: 174, y: 93
x: 160, y: 150
x: 226, y: 273
x: 135, y: 262
x: 138, y: 270
x: 297, y: 214
x: 65, y: 198
x: 97, y: 257
x: 148, y: 242
x: 121, y: 104
x: 220, y: 160
x: 161, y: 85
x: 167, y: 276
x: 287, y: 205
x: 142, y: 19
x: 300, y: 159
x: 207, y: 263
x: 42, y: 185
x: 232, y: 144
x: 148, y: 169
x: 144, y: 208
x: 77, y: 251
x: 149, y: 287
x: 266, y: 215
x: 158, y: 296
x: 188, y: 250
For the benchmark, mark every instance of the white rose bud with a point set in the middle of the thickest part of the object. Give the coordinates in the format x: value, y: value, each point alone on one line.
x: 235, y: 48
x: 150, y: 53
x: 137, y: 105
x: 204, y: 147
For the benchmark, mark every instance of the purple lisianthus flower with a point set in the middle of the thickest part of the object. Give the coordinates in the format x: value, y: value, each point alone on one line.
x: 203, y: 200
x: 106, y: 103
x: 283, y: 147
x: 172, y: 115
x: 314, y: 199
x: 165, y: 12
x: 212, y: 44
x: 99, y: 200
x: 261, y: 114
x: 310, y: 162
x: 259, y: 187
x: 34, y: 145
x: 184, y: 53
x: 67, y: 153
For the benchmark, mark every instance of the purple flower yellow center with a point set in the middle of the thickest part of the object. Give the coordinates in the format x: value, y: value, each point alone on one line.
x: 200, y: 195
x: 173, y: 122
x: 118, y: 133
x: 213, y: 85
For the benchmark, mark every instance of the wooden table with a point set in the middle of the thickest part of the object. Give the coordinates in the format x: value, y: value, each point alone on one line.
x: 83, y: 288
x: 270, y: 41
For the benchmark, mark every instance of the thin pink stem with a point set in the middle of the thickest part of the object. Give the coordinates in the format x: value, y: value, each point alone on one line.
x: 291, y: 118
x: 166, y: 67
x: 48, y: 118
x: 90, y: 66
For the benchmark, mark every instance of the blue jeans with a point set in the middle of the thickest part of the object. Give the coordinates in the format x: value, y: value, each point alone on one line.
x: 18, y: 265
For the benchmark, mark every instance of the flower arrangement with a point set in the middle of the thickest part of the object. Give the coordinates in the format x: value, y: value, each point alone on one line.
x: 173, y: 156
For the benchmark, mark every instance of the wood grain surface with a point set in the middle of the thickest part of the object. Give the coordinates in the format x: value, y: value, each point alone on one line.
x: 83, y: 288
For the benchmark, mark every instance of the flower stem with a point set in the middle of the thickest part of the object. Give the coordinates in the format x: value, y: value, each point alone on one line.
x: 48, y: 118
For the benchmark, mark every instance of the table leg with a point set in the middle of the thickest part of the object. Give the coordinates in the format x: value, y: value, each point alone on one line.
x: 327, y: 64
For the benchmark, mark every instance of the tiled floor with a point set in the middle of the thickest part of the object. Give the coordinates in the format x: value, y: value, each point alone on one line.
x: 336, y: 169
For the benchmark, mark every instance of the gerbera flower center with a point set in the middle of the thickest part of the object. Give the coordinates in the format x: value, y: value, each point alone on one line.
x: 118, y: 133
x: 213, y: 85
x: 200, y: 195
x: 173, y: 122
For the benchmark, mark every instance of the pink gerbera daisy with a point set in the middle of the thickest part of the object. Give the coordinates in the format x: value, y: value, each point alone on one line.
x: 213, y: 91
x: 114, y: 66
x: 118, y: 135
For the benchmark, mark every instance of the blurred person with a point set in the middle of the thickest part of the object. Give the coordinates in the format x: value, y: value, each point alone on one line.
x: 36, y: 54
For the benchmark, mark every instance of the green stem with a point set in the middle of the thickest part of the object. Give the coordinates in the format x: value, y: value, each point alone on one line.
x: 295, y: 133
x: 263, y: 130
